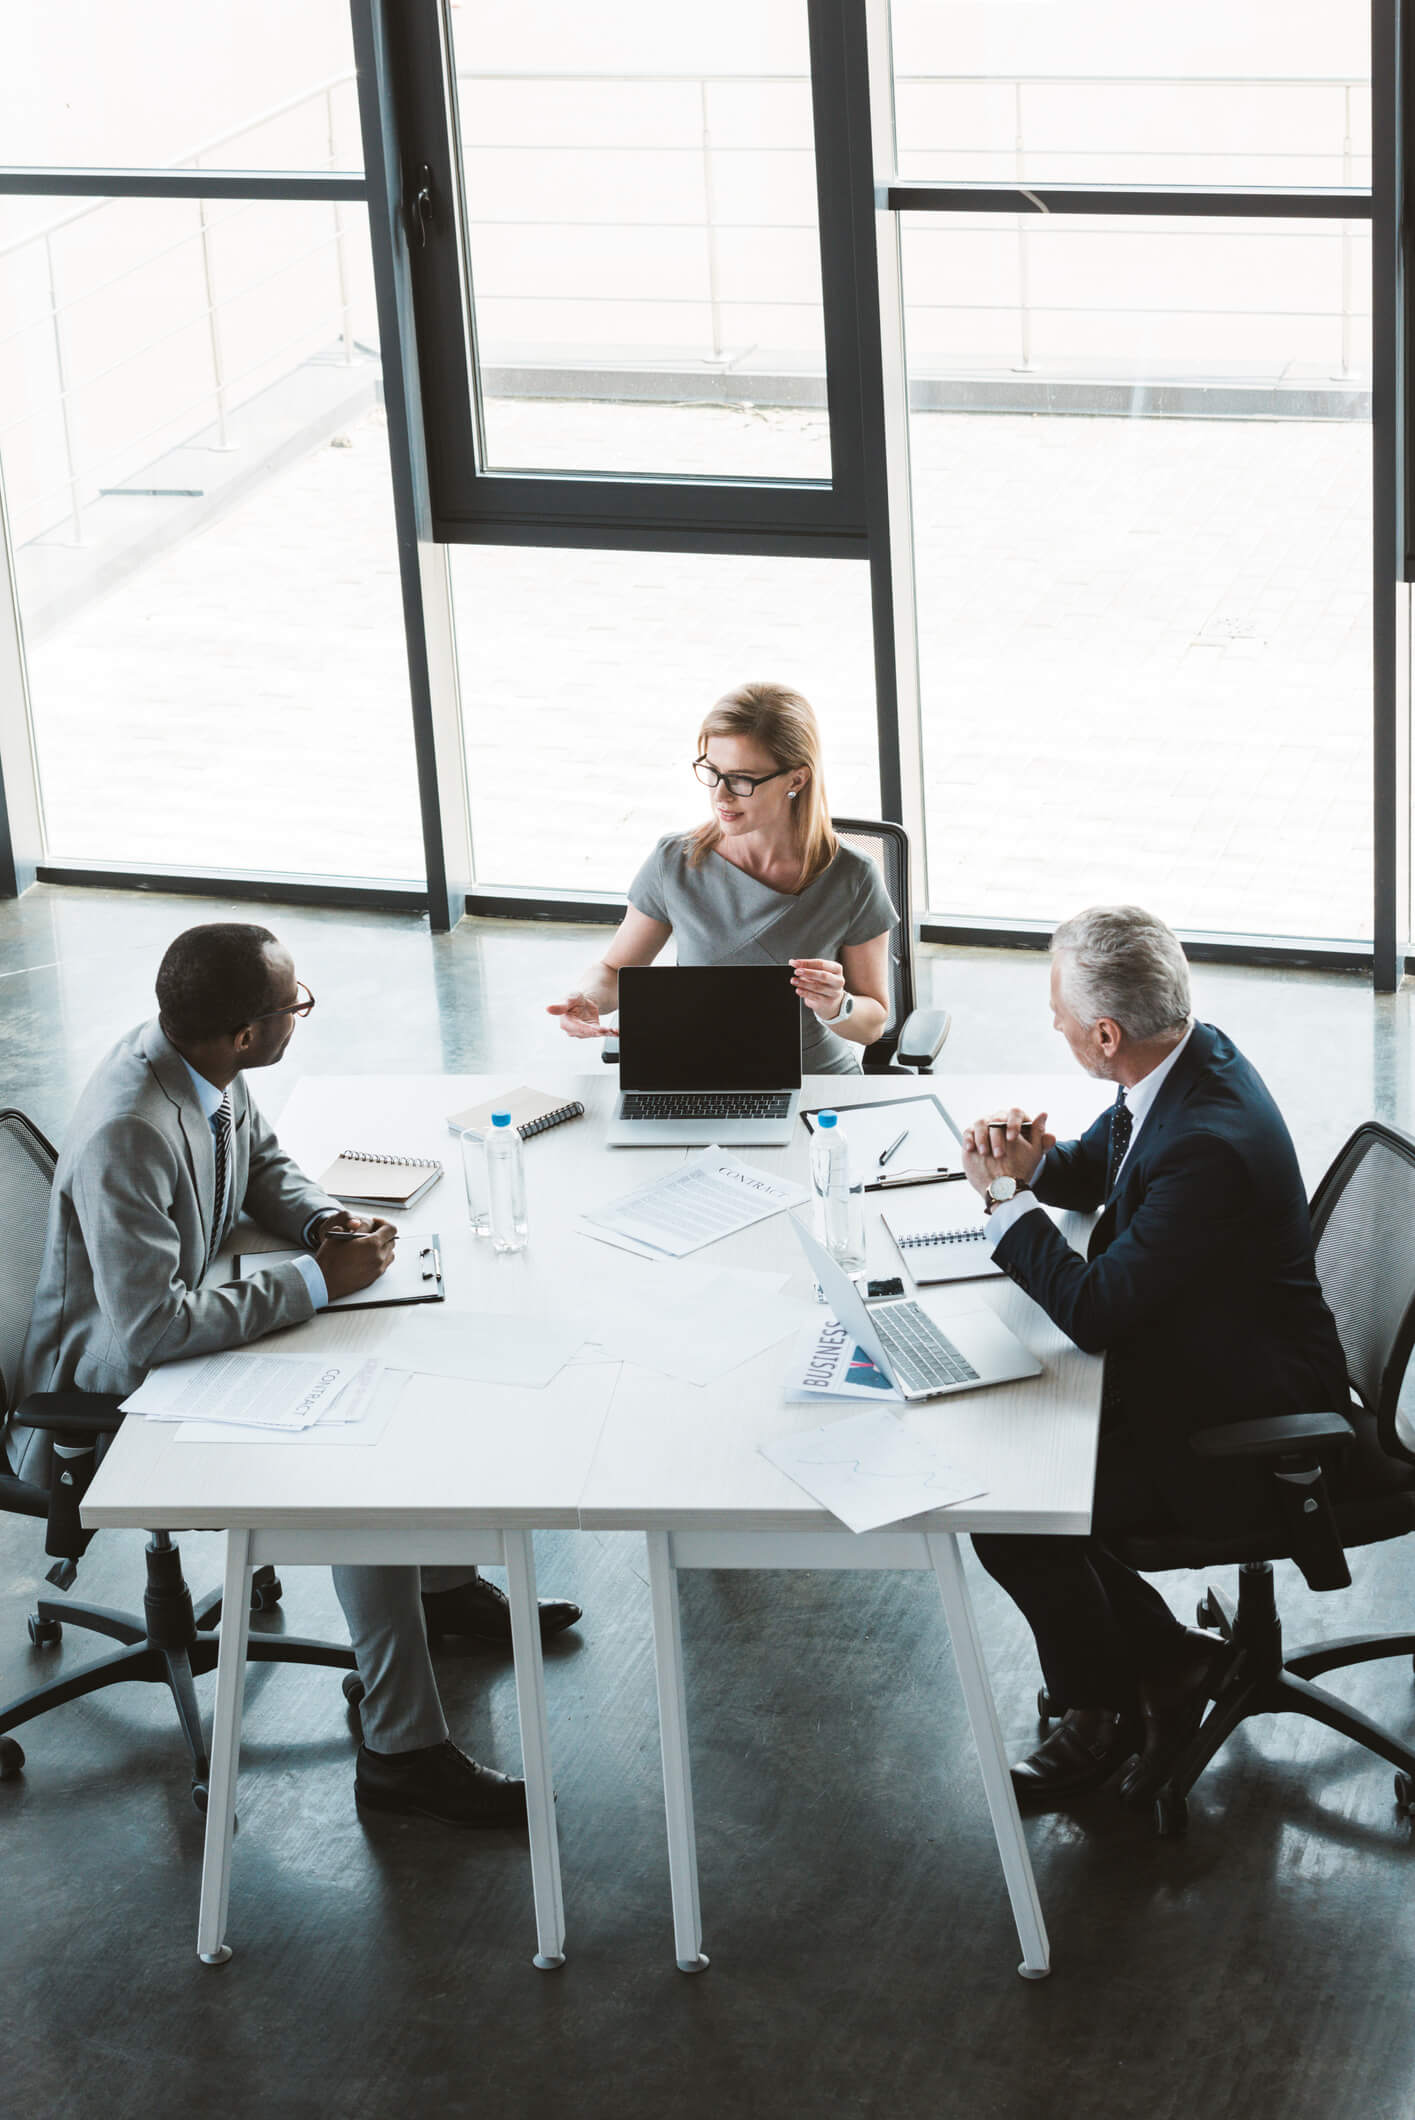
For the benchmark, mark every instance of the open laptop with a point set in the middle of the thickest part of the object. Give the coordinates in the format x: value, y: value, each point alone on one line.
x: 709, y: 1055
x: 902, y: 1340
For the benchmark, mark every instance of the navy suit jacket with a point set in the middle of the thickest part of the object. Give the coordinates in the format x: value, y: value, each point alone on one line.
x: 1199, y: 1285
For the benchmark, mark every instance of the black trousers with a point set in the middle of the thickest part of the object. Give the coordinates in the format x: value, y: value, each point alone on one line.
x: 1098, y: 1624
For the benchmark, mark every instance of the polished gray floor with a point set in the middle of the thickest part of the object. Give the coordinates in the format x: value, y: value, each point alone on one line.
x: 862, y: 1953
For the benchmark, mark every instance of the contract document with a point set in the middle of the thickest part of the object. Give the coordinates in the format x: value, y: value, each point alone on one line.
x: 241, y: 1388
x: 712, y: 1195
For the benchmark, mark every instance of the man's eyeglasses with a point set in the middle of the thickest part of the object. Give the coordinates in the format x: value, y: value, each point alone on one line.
x: 739, y: 784
x: 296, y: 1008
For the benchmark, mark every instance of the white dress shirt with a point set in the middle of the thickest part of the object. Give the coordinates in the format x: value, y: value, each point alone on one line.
x: 1139, y: 1101
x: 210, y: 1098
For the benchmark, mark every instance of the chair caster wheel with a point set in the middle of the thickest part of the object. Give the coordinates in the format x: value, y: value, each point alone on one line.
x: 266, y: 1590
x: 1047, y: 1710
x: 201, y: 1797
x: 45, y: 1633
x: 12, y: 1759
x: 1171, y: 1815
x: 1405, y: 1793
x: 353, y: 1688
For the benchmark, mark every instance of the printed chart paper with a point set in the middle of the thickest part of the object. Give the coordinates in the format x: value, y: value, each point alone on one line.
x: 871, y: 1470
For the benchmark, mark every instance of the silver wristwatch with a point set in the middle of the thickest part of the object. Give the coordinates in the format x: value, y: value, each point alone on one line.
x: 843, y: 1014
x: 1000, y: 1190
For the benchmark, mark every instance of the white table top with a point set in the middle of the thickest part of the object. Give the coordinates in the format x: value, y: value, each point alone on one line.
x: 608, y: 1445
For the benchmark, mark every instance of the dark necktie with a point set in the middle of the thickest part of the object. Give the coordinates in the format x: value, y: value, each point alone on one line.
x: 221, y: 1132
x: 1121, y: 1122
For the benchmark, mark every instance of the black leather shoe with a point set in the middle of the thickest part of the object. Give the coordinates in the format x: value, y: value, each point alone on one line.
x: 482, y: 1610
x: 438, y: 1781
x: 1172, y: 1704
x: 1084, y: 1750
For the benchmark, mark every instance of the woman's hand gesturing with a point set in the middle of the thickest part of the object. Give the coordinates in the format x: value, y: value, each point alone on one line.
x: 579, y: 1018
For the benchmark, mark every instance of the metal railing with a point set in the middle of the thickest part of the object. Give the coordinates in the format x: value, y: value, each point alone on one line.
x: 215, y: 396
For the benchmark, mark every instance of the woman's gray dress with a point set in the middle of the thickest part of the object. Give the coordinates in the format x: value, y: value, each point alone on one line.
x: 721, y: 915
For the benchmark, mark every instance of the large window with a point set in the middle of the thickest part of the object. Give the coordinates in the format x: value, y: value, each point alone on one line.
x: 197, y: 478
x: 1144, y: 570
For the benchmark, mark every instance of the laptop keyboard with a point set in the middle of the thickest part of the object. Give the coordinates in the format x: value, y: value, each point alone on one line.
x: 706, y: 1104
x: 920, y: 1356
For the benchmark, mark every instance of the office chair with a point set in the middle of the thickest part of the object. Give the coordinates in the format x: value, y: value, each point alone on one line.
x: 1363, y: 1223
x: 912, y: 1038
x: 174, y: 1642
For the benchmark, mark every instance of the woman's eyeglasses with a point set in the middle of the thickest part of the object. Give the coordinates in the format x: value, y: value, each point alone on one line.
x: 739, y: 784
x: 296, y: 1008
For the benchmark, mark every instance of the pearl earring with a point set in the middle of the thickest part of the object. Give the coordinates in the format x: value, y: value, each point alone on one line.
x: 791, y: 794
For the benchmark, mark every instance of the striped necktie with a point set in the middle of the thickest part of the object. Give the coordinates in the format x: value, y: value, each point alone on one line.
x: 221, y: 1131
x: 1121, y: 1122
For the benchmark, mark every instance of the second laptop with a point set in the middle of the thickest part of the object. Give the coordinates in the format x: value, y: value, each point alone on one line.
x: 708, y: 1054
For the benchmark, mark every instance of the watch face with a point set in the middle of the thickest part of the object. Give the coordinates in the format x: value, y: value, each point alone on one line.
x: 1002, y: 1189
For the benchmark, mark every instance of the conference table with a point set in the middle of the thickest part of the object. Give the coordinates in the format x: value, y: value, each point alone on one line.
x: 465, y: 1472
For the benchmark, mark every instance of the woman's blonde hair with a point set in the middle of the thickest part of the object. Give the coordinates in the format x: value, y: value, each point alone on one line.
x: 784, y: 724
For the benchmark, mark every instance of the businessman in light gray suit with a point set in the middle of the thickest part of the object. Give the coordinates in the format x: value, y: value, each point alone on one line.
x: 166, y: 1149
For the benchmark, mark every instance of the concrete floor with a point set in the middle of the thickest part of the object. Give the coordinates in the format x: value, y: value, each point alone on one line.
x: 862, y: 1953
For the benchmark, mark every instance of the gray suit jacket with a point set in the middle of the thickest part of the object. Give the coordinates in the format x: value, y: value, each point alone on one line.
x: 120, y: 1290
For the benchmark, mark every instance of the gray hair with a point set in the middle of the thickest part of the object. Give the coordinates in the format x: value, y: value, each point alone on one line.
x: 1119, y: 961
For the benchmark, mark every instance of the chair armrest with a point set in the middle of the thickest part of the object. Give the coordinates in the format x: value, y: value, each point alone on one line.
x: 1285, y: 1435
x: 609, y: 1052
x: 921, y: 1040
x: 1291, y: 1448
x: 81, y: 1416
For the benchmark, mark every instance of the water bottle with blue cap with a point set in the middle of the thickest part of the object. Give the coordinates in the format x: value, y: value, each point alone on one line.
x: 506, y: 1184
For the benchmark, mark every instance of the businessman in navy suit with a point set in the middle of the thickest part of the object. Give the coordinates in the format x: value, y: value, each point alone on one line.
x: 1199, y: 1287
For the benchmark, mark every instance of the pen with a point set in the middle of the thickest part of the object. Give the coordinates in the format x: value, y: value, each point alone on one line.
x: 895, y: 1143
x: 346, y: 1236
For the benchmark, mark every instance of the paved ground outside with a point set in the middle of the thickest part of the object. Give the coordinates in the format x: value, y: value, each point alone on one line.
x: 1144, y: 644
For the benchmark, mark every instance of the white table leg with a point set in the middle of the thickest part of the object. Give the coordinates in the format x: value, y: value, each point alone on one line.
x: 212, y: 1948
x: 992, y: 1756
x: 535, y: 1750
x: 673, y: 1739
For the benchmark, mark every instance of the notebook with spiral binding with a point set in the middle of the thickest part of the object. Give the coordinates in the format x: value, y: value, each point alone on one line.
x: 939, y: 1242
x: 532, y: 1112
x: 365, y: 1177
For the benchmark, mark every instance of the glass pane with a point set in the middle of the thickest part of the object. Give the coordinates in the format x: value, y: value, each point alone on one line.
x: 197, y: 475
x: 642, y: 226
x: 1144, y: 570
x: 229, y: 84
x: 1097, y: 92
x: 585, y: 676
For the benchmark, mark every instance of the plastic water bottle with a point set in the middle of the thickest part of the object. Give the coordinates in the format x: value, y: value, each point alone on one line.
x: 840, y: 1197
x: 506, y: 1183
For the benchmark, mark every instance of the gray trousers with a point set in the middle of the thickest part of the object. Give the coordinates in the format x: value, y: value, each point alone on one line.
x: 401, y: 1709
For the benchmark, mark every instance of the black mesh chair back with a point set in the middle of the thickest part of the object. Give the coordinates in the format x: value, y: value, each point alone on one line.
x: 1363, y: 1221
x: 26, y: 1178
x: 887, y: 846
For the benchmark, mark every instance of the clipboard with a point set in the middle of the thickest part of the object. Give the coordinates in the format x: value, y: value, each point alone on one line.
x: 414, y: 1277
x: 934, y: 1121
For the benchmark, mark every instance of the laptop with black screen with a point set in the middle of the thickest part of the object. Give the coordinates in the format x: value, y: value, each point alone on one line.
x: 708, y: 1054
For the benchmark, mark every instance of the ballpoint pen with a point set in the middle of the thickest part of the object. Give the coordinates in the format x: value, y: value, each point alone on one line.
x: 346, y: 1236
x: 897, y: 1142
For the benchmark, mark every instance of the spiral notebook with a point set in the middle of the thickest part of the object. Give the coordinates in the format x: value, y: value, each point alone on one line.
x: 364, y: 1177
x: 942, y: 1237
x: 532, y: 1112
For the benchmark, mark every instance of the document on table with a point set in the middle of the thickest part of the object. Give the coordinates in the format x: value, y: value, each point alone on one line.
x: 712, y: 1195
x: 242, y: 1388
x: 826, y: 1363
x: 482, y: 1347
x: 355, y: 1421
x: 871, y: 1469
x: 699, y: 1323
x: 913, y: 1130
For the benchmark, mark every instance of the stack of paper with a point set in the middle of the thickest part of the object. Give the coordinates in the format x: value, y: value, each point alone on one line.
x: 712, y: 1195
x: 872, y: 1469
x: 243, y: 1389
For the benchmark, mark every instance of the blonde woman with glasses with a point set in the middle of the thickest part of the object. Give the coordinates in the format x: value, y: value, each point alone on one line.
x: 763, y: 881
